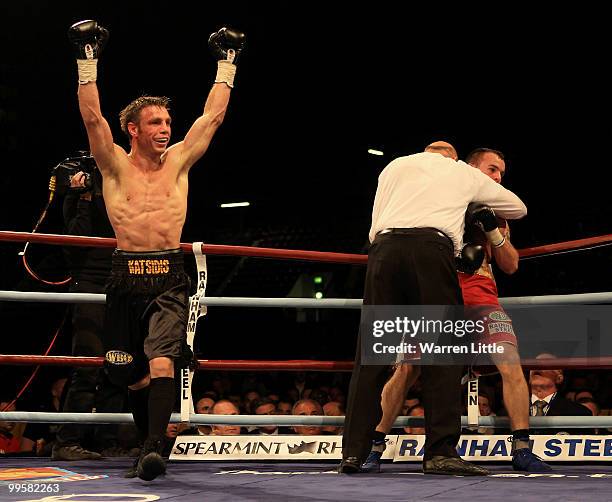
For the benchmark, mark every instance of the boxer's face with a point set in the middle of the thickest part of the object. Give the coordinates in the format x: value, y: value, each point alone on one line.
x: 153, y: 128
x: 491, y: 165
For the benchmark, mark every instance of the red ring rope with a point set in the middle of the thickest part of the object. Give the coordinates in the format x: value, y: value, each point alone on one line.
x: 292, y: 365
x: 256, y: 252
x: 209, y: 249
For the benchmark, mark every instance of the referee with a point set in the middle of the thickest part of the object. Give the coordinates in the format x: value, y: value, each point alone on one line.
x: 417, y: 228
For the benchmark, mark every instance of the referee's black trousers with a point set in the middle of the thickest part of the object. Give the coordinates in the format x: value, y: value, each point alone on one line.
x: 415, y: 267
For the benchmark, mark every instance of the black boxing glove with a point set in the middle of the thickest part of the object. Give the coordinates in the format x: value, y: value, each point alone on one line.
x: 484, y: 217
x: 470, y: 259
x: 89, y: 38
x: 226, y: 45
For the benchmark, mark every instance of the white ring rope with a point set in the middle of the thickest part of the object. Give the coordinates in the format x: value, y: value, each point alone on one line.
x: 323, y: 303
x: 578, y: 422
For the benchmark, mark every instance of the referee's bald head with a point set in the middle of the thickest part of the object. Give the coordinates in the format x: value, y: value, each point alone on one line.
x: 443, y: 148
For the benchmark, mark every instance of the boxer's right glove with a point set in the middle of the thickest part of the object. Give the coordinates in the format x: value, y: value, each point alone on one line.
x: 484, y: 217
x: 89, y: 38
x: 226, y: 45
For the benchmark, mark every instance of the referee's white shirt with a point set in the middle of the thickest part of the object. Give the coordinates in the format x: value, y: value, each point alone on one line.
x: 429, y: 190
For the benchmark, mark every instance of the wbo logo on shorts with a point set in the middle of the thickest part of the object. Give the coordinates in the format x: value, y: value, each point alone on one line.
x: 118, y: 357
x: 498, y: 315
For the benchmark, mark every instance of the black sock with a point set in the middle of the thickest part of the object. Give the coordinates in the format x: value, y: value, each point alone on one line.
x: 161, y: 404
x: 379, y: 436
x: 520, y: 439
x: 139, y: 404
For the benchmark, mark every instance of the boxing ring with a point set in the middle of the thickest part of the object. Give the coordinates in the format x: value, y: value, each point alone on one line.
x: 285, y: 479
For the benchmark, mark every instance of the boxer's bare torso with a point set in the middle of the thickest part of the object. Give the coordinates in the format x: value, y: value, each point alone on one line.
x: 146, y: 190
x: 146, y: 203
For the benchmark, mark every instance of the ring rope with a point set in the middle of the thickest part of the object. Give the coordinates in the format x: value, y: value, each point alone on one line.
x: 574, y: 422
x: 287, y: 365
x: 35, y: 372
x: 328, y: 303
x: 292, y: 254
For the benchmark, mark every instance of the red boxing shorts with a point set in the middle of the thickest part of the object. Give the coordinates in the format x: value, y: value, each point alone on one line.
x: 481, y: 302
x: 480, y: 295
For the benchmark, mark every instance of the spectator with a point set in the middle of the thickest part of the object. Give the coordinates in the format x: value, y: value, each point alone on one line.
x: 332, y: 409
x: 236, y: 400
x: 265, y: 407
x: 225, y: 407
x: 415, y: 411
x: 173, y: 430
x: 12, y: 439
x: 546, y: 400
x: 250, y: 398
x: 485, y: 409
x: 204, y: 406
x: 45, y: 434
x: 307, y: 407
x: 320, y: 396
x: 336, y: 394
x: 592, y: 405
x: 284, y: 408
x: 298, y: 388
x: 410, y: 401
x: 582, y: 393
x: 570, y: 395
x: 211, y: 394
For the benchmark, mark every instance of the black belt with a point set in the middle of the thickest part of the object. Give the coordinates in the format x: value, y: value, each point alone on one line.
x: 414, y: 231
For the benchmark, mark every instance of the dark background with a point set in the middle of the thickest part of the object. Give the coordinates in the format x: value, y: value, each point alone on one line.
x: 318, y: 84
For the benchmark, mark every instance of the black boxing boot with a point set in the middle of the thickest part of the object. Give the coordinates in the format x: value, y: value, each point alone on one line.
x: 151, y: 463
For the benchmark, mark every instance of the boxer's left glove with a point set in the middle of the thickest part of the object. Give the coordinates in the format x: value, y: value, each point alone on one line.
x: 484, y: 217
x: 470, y: 259
x: 226, y: 45
x: 89, y: 39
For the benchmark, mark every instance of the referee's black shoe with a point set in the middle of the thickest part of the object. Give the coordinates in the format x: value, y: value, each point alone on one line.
x: 453, y: 466
x: 350, y: 465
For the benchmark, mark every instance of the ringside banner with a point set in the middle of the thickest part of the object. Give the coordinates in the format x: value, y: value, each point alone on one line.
x: 404, y: 448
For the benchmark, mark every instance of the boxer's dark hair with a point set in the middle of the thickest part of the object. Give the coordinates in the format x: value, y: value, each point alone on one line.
x: 131, y: 113
x: 474, y: 155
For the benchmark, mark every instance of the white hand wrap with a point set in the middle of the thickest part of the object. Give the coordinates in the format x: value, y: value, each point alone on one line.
x: 225, y: 73
x: 496, y: 238
x: 88, y: 70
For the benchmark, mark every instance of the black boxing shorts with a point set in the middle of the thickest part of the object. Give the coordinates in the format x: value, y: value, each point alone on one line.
x: 146, y: 313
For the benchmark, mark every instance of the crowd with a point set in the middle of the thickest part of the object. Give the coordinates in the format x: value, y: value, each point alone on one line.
x: 553, y: 392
